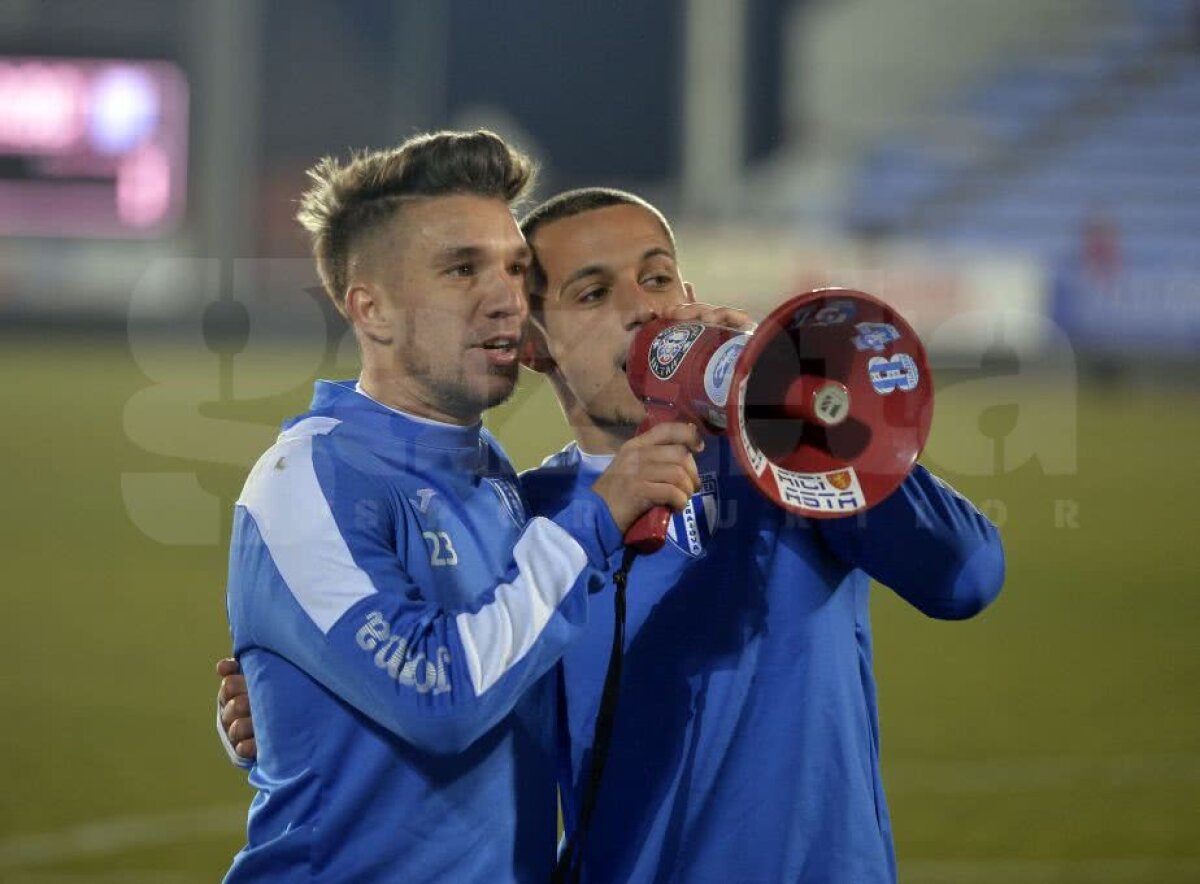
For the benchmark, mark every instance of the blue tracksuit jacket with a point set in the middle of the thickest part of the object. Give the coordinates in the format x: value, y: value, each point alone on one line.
x: 746, y: 745
x: 396, y: 619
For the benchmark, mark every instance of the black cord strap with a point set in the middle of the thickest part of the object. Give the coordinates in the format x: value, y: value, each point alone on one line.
x: 570, y: 862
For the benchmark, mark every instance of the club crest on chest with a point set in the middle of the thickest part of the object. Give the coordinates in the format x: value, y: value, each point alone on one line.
x: 691, y: 529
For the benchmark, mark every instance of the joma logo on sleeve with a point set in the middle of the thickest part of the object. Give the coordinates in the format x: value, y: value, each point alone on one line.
x: 393, y: 656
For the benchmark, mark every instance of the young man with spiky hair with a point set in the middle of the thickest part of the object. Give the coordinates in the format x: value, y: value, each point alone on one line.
x: 394, y: 612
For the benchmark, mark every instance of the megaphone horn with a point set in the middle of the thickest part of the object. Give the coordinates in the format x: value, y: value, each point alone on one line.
x: 827, y: 405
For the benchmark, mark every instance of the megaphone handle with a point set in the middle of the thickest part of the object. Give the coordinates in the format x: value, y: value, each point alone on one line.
x: 649, y: 533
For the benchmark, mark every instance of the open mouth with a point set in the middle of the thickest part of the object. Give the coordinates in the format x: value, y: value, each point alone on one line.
x: 501, y: 350
x: 502, y: 343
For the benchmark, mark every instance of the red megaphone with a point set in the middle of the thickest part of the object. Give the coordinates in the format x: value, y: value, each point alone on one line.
x: 827, y: 404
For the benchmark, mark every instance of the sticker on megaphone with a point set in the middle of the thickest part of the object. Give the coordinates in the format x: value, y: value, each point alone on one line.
x: 669, y: 347
x: 718, y: 375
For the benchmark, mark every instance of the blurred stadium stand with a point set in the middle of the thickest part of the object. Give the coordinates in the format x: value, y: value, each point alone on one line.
x: 1086, y: 158
x: 880, y: 135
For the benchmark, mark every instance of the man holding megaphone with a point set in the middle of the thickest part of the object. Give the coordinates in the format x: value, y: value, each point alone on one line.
x: 745, y: 740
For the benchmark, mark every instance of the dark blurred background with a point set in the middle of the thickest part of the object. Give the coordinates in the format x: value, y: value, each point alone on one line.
x: 1021, y: 178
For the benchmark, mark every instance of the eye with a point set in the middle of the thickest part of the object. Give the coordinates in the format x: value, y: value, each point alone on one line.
x: 518, y: 268
x: 462, y: 270
x: 658, y: 280
x: 593, y: 294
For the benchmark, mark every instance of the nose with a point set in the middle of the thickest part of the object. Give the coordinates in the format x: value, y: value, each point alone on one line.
x: 506, y: 297
x: 637, y: 306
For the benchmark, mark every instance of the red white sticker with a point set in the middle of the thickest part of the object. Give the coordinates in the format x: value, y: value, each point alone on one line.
x: 836, y: 491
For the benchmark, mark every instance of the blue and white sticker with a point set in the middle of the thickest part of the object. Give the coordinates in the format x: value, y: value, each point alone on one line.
x: 833, y: 313
x: 891, y: 373
x: 800, y: 317
x: 670, y: 346
x: 718, y: 375
x: 691, y: 529
x: 875, y: 336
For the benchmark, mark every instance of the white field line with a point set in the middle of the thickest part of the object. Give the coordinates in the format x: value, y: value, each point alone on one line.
x: 992, y: 776
x: 115, y: 834
x: 1140, y: 870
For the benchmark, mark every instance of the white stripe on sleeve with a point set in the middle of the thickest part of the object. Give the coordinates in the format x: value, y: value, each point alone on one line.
x: 497, y: 636
x: 295, y: 522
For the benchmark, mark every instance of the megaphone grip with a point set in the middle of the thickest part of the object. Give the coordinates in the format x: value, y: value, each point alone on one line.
x: 649, y: 533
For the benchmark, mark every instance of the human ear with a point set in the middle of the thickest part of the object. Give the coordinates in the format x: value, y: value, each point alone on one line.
x: 367, y: 312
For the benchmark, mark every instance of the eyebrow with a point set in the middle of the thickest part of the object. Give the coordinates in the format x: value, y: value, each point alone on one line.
x: 474, y: 253
x: 595, y: 269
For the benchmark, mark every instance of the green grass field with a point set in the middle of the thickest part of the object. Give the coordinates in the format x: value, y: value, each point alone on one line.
x: 1054, y: 739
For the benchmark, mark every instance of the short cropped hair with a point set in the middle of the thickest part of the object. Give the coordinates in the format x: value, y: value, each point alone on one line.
x: 349, y: 200
x: 567, y: 205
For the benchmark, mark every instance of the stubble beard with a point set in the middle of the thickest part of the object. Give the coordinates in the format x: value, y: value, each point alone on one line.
x: 452, y: 391
x: 623, y: 418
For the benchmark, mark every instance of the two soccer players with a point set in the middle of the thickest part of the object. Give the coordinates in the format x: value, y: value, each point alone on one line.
x: 746, y: 744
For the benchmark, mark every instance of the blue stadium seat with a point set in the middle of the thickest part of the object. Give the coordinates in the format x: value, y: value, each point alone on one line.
x: 1137, y: 164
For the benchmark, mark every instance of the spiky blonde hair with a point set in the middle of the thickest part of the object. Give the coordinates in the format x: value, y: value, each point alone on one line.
x: 348, y: 200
